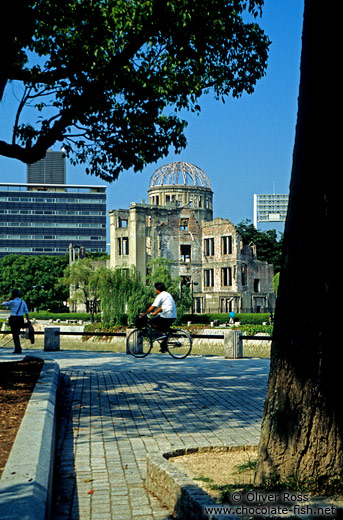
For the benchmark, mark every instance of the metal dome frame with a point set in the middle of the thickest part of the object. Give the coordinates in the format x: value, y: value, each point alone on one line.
x: 170, y: 174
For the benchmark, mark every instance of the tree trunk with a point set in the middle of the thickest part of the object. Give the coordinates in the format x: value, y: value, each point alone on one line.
x: 302, y: 425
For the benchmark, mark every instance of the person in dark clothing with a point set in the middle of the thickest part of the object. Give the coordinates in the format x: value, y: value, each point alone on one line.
x: 18, y: 308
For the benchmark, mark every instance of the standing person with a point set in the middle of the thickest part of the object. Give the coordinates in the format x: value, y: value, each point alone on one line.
x: 16, y: 320
x: 163, y: 310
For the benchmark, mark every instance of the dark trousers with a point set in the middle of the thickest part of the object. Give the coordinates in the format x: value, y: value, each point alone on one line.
x: 16, y: 323
x: 162, y: 324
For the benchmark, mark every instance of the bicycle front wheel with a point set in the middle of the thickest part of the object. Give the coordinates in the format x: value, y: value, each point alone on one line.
x: 179, y: 343
x: 138, y: 343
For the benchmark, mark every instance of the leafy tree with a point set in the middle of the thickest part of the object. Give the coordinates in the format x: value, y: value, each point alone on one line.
x: 276, y: 281
x: 268, y: 244
x: 160, y: 270
x: 302, y: 427
x: 138, y: 301
x: 82, y: 279
x: 107, y: 78
x: 36, y: 277
x: 119, y: 290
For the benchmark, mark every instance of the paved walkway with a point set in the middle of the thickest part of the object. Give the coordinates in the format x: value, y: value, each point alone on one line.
x: 114, y: 409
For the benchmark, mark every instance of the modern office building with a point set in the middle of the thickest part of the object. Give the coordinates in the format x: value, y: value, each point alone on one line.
x: 39, y: 218
x: 49, y: 170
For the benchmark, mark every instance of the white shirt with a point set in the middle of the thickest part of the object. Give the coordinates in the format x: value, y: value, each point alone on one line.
x: 166, y: 301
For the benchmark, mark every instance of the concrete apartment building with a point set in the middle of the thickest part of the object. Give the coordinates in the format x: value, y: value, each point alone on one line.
x: 178, y: 224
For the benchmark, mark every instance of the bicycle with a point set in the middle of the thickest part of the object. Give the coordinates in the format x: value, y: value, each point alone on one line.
x: 140, y: 341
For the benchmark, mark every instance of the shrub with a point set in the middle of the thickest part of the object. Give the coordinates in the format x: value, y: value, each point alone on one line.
x: 45, y: 315
x: 242, y: 318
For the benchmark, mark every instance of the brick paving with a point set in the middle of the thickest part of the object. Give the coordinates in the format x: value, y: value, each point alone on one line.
x: 114, y: 409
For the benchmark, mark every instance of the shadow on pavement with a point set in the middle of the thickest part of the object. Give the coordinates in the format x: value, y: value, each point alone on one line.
x: 65, y: 497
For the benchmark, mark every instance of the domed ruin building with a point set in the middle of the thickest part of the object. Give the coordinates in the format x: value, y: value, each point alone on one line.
x: 178, y: 224
x: 182, y: 184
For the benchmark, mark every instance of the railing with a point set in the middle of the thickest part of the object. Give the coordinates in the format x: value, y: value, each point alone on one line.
x: 197, y: 336
x: 232, y: 340
x: 258, y: 338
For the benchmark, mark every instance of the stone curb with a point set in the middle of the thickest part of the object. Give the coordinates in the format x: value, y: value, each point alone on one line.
x: 26, y: 483
x: 176, y: 490
x: 187, y: 500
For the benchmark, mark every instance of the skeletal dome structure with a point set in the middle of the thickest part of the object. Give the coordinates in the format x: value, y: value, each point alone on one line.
x: 182, y: 184
x: 180, y: 173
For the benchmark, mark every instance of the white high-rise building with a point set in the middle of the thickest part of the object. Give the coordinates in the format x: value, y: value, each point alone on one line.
x: 270, y: 208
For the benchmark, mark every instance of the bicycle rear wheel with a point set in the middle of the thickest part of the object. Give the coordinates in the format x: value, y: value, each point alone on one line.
x: 179, y: 343
x: 138, y: 343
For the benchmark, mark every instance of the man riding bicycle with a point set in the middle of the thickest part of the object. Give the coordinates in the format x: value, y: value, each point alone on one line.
x: 163, y: 310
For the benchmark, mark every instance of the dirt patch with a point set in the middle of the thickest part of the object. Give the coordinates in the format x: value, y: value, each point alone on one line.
x: 219, y: 473
x: 17, y: 381
x: 234, y: 467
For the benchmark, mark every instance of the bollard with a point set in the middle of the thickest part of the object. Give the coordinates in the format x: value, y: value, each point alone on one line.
x: 5, y: 327
x: 233, y: 344
x: 51, y: 339
x: 138, y: 342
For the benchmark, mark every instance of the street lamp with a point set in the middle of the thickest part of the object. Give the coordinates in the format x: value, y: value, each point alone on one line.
x: 191, y: 285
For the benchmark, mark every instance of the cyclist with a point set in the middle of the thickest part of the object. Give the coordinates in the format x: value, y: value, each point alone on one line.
x: 163, y: 310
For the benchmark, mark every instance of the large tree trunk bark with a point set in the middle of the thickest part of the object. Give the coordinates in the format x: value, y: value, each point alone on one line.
x: 302, y: 423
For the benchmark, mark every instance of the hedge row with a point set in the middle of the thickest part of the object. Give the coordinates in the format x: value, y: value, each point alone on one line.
x: 251, y: 318
x: 246, y: 318
x: 63, y: 316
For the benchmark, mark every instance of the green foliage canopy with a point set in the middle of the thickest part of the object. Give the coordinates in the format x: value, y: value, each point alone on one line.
x: 36, y: 277
x: 82, y: 278
x: 268, y: 244
x: 107, y: 78
x: 122, y: 295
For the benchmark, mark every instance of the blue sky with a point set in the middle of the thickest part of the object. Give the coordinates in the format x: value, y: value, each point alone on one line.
x: 245, y: 145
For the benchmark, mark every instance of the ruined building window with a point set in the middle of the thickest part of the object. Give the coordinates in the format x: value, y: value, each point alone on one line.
x: 122, y: 222
x: 209, y: 246
x: 226, y: 243
x: 199, y: 305
x: 208, y: 278
x: 123, y: 246
x: 226, y: 276
x: 257, y: 285
x: 185, y: 253
x: 185, y: 280
x: 244, y: 273
x: 184, y: 224
x: 226, y: 304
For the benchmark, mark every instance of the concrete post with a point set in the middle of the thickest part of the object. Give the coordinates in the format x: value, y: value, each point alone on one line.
x: 136, y: 342
x: 51, y: 339
x: 5, y: 327
x: 233, y: 344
